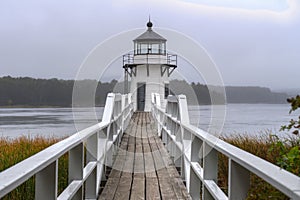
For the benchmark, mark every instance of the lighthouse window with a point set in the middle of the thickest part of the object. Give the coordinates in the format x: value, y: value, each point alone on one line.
x: 155, y: 48
x: 144, y: 48
x: 141, y: 48
x: 136, y: 48
x: 163, y: 48
x: 167, y: 92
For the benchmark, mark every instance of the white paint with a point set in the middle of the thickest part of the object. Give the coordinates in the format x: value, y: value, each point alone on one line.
x: 205, y: 151
x: 44, y: 164
x: 155, y: 82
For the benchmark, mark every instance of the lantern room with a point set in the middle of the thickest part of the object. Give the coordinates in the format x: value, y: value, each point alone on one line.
x: 150, y: 43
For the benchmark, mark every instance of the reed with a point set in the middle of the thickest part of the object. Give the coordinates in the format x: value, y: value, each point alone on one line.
x: 263, y: 147
x: 15, y: 150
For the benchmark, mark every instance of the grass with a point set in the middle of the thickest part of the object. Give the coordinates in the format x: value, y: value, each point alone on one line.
x: 259, y: 146
x: 13, y: 151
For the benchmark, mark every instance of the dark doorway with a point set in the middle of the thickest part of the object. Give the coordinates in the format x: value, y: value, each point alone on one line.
x: 141, y: 93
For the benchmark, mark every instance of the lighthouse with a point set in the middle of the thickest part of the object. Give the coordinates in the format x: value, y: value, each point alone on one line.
x: 147, y: 70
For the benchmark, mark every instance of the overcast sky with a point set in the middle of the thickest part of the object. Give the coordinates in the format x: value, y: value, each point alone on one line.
x: 253, y: 42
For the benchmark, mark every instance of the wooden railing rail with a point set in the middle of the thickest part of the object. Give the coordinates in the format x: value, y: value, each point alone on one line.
x: 195, y: 153
x: 90, y: 152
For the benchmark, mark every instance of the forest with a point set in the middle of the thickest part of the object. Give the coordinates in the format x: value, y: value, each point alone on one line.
x: 26, y: 91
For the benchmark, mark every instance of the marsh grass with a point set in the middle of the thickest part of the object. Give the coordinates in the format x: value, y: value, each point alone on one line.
x: 260, y: 146
x: 15, y: 150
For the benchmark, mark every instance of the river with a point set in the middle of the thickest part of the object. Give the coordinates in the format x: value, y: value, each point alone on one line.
x: 249, y: 119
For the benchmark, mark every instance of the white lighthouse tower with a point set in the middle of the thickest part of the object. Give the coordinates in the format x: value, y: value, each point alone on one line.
x: 149, y: 68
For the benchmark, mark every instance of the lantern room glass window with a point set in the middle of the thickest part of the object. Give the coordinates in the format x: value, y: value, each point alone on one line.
x: 156, y: 48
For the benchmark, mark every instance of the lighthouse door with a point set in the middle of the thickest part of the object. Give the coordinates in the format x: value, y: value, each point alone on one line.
x: 141, y: 92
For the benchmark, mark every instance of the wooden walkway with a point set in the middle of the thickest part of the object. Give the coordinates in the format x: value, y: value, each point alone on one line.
x: 143, y: 168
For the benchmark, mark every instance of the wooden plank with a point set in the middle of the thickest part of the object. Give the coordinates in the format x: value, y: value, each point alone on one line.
x: 138, y: 188
x: 149, y: 164
x: 110, y: 189
x: 152, y: 184
x: 128, y: 165
x: 152, y: 188
x: 169, y: 175
x: 148, y: 158
x: 158, y: 161
x: 115, y: 173
x: 144, y: 135
x: 145, y: 140
x: 139, y: 162
x: 146, y: 148
x: 139, y: 166
x: 182, y: 187
x: 147, y: 171
x: 114, y: 176
x: 177, y: 187
x: 124, y: 187
x: 172, y: 171
x: 166, y: 189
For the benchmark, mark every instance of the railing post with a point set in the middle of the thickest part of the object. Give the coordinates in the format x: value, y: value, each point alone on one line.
x: 102, y: 142
x: 118, y: 124
x: 46, y: 182
x: 239, y: 181
x: 76, y: 164
x: 124, y: 113
x: 210, y: 168
x: 109, y: 150
x: 108, y: 114
x: 108, y: 109
x: 183, y: 110
x: 194, y: 186
x: 157, y: 101
x: 183, y: 117
x: 178, y: 155
x: 91, y: 155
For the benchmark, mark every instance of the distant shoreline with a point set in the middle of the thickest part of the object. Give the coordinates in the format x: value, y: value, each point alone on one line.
x: 32, y: 106
x: 29, y: 92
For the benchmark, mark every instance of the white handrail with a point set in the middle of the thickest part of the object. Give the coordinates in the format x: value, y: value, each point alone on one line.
x: 98, y: 140
x: 195, y: 152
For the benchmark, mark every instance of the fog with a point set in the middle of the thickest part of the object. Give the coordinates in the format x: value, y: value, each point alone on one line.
x: 251, y: 43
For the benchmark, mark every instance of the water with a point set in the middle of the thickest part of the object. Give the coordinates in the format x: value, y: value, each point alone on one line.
x: 58, y: 122
x: 251, y: 119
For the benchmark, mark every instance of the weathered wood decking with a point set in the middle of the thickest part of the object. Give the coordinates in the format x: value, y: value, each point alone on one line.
x: 143, y: 168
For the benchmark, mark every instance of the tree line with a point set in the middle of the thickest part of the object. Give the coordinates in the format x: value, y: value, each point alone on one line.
x: 202, y: 94
x: 26, y: 91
